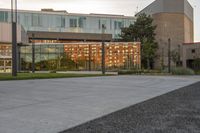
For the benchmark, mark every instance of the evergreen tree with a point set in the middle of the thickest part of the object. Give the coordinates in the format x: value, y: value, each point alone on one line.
x: 143, y: 30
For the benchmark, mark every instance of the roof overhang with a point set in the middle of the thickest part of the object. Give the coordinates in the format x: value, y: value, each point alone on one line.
x: 68, y: 36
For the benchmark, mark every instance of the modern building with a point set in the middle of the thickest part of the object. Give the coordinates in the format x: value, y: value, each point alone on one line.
x: 174, y: 20
x: 5, y: 44
x: 59, y: 35
x: 60, y: 26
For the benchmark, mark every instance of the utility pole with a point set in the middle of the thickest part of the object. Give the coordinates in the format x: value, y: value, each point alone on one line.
x: 169, y: 55
x: 90, y: 52
x: 103, y: 50
x: 33, y: 54
x: 179, y: 55
x: 14, y: 37
x: 162, y: 60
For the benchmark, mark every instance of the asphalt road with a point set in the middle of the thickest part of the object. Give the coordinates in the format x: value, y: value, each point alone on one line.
x: 174, y: 112
x: 53, y: 105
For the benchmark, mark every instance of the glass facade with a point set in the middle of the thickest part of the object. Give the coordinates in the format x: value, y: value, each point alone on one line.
x: 67, y: 22
x: 5, y: 58
x: 46, y: 56
x: 81, y: 56
x: 3, y: 16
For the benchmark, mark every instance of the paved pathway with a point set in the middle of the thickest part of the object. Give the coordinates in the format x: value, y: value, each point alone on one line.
x: 53, y: 105
x: 174, y: 112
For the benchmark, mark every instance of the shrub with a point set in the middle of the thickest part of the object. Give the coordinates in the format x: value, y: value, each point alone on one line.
x: 52, y: 71
x: 128, y: 72
x: 197, y: 72
x: 182, y: 71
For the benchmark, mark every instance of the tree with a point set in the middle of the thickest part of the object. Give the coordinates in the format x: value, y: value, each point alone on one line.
x: 143, y: 30
x: 149, y: 50
x: 196, y: 64
x: 175, y: 56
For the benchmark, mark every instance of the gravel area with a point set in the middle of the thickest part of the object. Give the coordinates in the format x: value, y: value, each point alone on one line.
x: 174, y: 112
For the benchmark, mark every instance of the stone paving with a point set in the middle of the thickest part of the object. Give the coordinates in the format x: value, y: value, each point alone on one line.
x: 53, y: 105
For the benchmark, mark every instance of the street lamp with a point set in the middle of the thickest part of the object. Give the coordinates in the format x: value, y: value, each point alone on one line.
x: 169, y: 55
x: 90, y: 52
x: 14, y: 36
x: 33, y: 54
x: 103, y: 50
x: 179, y: 55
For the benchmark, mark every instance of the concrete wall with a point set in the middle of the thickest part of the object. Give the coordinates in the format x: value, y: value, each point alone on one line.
x: 154, y: 7
x: 188, y: 30
x: 188, y: 10
x: 174, y: 20
x: 177, y: 27
x: 6, y: 34
x: 188, y: 54
x: 170, y: 6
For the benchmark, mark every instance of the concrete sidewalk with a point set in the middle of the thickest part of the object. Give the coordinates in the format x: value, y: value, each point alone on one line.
x: 174, y: 112
x: 53, y: 105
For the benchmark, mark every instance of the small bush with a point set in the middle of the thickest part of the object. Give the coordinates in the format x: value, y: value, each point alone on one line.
x: 52, y: 71
x: 182, y: 71
x: 197, y: 72
x: 128, y: 72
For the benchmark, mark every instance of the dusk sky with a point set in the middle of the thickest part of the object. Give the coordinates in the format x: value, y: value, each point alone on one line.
x: 125, y: 7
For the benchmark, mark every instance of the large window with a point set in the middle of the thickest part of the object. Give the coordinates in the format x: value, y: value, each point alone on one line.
x: 58, y: 21
x: 62, y: 22
x: 102, y: 22
x: 5, y: 58
x: 99, y: 24
x: 3, y: 16
x: 73, y: 22
x: 118, y: 25
x: 26, y: 20
x: 81, y: 56
x: 36, y: 20
x: 81, y: 22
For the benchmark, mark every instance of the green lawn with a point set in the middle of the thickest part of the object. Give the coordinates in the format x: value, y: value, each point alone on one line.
x: 25, y: 76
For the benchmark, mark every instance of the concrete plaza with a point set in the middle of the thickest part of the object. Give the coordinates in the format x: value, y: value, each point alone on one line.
x: 53, y: 105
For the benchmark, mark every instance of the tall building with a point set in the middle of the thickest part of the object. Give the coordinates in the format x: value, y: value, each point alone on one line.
x: 174, y: 20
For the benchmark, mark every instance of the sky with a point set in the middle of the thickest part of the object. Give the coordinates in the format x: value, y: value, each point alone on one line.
x: 123, y: 7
